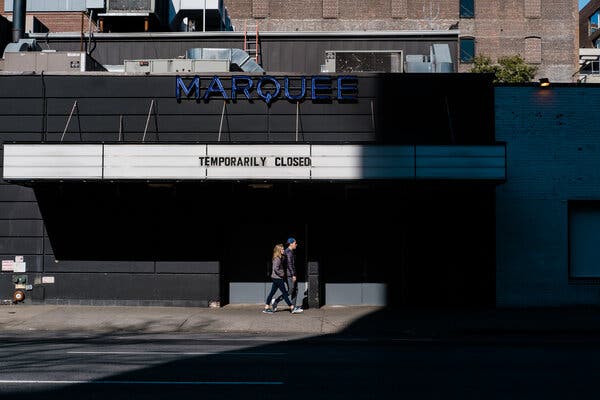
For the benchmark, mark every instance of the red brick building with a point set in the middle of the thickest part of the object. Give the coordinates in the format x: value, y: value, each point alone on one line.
x: 544, y: 36
x: 58, y: 21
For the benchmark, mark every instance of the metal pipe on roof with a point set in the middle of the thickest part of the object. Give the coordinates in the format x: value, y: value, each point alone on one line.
x: 19, y: 11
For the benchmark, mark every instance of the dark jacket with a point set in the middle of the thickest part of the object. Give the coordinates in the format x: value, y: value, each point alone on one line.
x: 278, y: 271
x: 290, y: 262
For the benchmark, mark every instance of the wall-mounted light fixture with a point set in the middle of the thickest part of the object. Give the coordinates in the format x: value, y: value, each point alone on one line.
x: 544, y: 82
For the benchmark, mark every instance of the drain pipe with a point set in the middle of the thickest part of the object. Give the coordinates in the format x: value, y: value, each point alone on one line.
x: 19, y: 10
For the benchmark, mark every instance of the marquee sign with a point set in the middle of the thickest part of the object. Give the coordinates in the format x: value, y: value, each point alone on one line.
x: 269, y: 88
x: 251, y: 162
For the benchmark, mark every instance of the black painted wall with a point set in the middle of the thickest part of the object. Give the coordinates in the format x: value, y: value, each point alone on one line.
x: 390, y: 108
x: 113, y: 240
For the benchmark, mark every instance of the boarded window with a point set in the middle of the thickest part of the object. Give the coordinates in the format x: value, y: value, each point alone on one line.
x: 467, y: 50
x: 533, y: 50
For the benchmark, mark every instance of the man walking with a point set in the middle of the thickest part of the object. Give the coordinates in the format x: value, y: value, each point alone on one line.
x: 290, y: 271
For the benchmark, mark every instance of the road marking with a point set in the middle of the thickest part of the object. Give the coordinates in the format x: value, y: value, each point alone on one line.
x: 39, y: 382
x: 186, y: 353
x: 219, y: 339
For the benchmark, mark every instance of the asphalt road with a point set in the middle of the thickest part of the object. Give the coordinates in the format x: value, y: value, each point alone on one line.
x: 225, y: 366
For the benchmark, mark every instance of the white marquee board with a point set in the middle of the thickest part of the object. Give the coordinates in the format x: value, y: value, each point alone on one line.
x: 251, y: 162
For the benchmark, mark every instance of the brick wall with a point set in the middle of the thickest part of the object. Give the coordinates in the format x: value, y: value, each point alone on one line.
x: 551, y: 159
x: 584, y: 23
x: 309, y: 9
x: 330, y: 8
x: 60, y: 21
x: 533, y: 8
x: 399, y: 9
x: 500, y: 27
x: 260, y: 8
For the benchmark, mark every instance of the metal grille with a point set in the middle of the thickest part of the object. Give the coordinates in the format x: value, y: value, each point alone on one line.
x: 368, y: 62
x: 130, y: 5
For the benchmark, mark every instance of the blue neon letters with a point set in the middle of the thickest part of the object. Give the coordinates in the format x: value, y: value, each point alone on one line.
x: 268, y: 88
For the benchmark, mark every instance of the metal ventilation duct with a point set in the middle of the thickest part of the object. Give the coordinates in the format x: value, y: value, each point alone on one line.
x: 237, y: 57
x: 22, y: 45
x: 19, y: 10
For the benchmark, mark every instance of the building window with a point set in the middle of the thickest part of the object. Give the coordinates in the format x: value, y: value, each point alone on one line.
x: 594, y: 21
x: 467, y: 8
x: 584, y: 235
x: 467, y: 50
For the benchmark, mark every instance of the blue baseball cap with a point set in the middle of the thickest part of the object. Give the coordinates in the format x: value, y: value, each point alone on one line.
x: 291, y: 240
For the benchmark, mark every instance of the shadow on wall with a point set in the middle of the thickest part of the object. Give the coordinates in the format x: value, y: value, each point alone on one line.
x: 432, y: 243
x: 5, y: 33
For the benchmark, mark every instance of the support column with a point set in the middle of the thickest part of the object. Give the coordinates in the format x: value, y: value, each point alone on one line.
x: 313, y: 280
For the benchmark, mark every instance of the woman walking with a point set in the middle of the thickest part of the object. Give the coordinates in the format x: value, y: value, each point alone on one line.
x: 277, y: 275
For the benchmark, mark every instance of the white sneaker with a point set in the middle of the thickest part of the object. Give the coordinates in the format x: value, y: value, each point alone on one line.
x: 273, y: 305
x: 297, y: 310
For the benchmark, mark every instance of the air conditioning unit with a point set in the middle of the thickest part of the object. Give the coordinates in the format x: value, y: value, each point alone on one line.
x: 51, y: 61
x: 176, y: 65
x: 350, y: 61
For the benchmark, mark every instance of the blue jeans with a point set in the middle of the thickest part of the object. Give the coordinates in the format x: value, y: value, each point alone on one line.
x: 292, y: 288
x: 278, y: 284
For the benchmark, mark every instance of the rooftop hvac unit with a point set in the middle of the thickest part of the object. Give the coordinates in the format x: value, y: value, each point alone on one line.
x: 438, y: 60
x: 363, y: 61
x: 418, y: 63
x: 176, y: 65
x: 51, y: 61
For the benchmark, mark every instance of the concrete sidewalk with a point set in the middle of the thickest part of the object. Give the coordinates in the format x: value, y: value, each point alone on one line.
x: 351, y: 321
x: 231, y: 318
